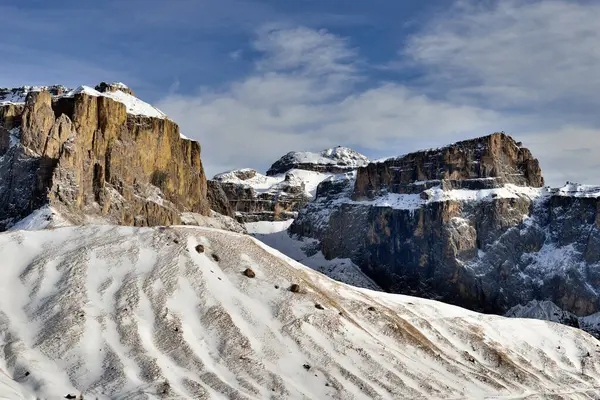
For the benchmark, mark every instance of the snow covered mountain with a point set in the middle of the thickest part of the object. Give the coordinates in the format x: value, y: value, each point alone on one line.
x: 117, y: 91
x: 335, y: 160
x: 289, y: 184
x: 144, y: 313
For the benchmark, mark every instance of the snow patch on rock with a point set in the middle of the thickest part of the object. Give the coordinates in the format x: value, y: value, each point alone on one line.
x: 42, y: 218
x: 576, y: 190
x: 402, y: 201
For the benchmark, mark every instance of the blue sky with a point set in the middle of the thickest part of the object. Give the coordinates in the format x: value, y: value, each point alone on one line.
x: 254, y: 79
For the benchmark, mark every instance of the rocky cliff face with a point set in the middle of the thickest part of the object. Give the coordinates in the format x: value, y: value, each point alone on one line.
x: 290, y: 183
x: 468, y: 224
x: 95, y: 153
x: 481, y: 163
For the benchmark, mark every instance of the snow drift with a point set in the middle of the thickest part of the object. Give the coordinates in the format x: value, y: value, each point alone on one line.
x: 121, y: 312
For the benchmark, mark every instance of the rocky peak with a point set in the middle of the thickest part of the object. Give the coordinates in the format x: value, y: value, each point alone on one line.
x: 335, y: 160
x: 243, y: 174
x: 469, y: 224
x: 482, y: 163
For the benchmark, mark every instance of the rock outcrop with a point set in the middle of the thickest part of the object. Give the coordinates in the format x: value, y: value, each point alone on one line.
x: 95, y: 154
x: 469, y: 224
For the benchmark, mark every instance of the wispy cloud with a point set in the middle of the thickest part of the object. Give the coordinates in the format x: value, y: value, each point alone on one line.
x: 468, y: 68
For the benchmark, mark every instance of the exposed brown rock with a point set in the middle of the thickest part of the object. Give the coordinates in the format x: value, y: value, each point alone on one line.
x: 37, y: 120
x: 249, y: 273
x: 10, y: 115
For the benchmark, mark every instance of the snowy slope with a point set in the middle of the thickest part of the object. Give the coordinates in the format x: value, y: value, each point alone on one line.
x: 134, y: 313
x: 305, y: 251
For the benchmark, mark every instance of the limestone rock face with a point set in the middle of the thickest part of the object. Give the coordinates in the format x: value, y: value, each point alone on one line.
x: 249, y: 205
x: 467, y: 224
x: 86, y: 156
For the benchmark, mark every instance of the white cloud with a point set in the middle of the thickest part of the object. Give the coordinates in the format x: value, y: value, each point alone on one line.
x: 236, y: 54
x: 303, y: 95
x: 530, y: 68
x: 305, y: 51
x: 568, y: 153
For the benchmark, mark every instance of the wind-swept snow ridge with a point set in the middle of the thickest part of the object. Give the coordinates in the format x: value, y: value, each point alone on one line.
x: 134, y: 313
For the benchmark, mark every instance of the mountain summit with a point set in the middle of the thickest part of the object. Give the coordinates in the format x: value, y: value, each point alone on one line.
x: 289, y: 184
